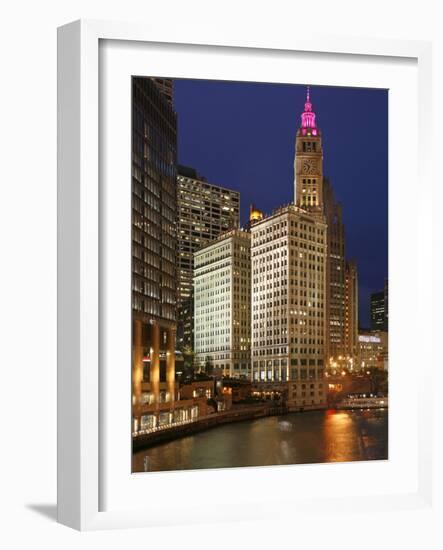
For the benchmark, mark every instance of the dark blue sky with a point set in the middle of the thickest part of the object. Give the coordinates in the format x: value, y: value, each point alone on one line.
x: 242, y: 135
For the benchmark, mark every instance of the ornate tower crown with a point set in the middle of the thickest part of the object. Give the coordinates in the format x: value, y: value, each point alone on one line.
x: 308, y: 116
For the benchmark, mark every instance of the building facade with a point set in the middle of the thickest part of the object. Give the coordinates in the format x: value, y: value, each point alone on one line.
x: 165, y: 86
x: 314, y: 193
x: 205, y: 211
x: 335, y: 307
x: 378, y: 311
x: 351, y: 315
x: 373, y: 349
x: 222, y: 304
x: 154, y: 243
x: 289, y: 254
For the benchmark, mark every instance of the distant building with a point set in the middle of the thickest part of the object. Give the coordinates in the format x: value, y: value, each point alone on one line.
x: 289, y: 255
x: 205, y: 210
x: 372, y: 349
x: 351, y: 315
x: 222, y: 304
x: 335, y: 308
x: 255, y: 215
x: 379, y: 314
x: 165, y: 86
x: 185, y: 325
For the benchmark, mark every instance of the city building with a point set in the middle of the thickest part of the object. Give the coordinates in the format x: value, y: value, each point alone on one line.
x: 165, y: 86
x: 238, y: 388
x: 351, y: 315
x: 289, y: 255
x: 378, y: 311
x: 205, y: 210
x: 314, y: 193
x: 255, y: 215
x: 154, y: 282
x: 308, y: 163
x: 372, y: 349
x: 335, y: 306
x: 222, y: 305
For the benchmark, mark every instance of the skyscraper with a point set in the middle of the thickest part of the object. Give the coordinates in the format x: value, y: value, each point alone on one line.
x: 205, y: 210
x: 165, y: 86
x: 314, y: 193
x: 379, y: 314
x: 222, y: 309
x: 289, y: 255
x: 351, y: 313
x: 335, y: 274
x: 154, y: 281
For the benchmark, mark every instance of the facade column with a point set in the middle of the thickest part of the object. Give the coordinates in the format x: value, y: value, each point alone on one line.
x: 155, y: 362
x: 137, y: 369
x: 170, y: 363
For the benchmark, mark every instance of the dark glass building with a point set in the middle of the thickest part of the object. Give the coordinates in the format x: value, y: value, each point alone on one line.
x: 165, y: 85
x: 378, y: 311
x: 335, y: 274
x: 154, y: 249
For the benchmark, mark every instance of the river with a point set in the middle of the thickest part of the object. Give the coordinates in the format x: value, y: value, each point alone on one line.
x: 296, y: 438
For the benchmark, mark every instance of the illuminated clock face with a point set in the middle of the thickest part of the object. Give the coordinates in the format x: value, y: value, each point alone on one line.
x: 309, y: 167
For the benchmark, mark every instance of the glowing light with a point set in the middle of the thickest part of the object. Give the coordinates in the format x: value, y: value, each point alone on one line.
x: 367, y: 339
x: 308, y: 116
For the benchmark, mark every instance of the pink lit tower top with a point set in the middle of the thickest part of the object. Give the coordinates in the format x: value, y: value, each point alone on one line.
x: 308, y: 116
x: 308, y: 162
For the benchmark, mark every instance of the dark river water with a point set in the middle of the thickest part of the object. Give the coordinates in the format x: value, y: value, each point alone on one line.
x: 296, y: 438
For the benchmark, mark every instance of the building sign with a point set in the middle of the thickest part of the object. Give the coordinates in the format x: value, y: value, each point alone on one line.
x: 369, y: 339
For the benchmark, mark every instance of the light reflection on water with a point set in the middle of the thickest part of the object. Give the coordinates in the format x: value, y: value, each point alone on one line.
x: 297, y: 438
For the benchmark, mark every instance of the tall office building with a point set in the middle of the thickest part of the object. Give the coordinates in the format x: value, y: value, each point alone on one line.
x: 222, y: 307
x: 289, y: 255
x: 386, y: 292
x: 351, y: 314
x: 205, y: 210
x: 378, y: 311
x: 154, y: 281
x: 335, y: 274
x: 313, y: 192
x: 165, y: 86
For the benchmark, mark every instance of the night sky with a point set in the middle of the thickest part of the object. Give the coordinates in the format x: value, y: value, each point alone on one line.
x: 242, y: 136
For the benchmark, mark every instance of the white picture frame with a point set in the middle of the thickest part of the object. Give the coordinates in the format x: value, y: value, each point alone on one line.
x: 82, y: 437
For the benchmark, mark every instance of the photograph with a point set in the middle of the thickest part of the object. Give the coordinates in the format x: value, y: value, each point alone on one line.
x: 228, y: 219
x: 259, y: 274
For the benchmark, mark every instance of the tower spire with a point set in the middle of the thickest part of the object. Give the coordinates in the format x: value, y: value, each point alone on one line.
x: 308, y: 115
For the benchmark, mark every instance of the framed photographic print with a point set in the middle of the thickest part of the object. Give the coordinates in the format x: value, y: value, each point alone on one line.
x: 229, y: 218
x: 243, y: 320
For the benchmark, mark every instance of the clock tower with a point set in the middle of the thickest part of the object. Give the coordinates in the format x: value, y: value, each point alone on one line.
x: 308, y: 162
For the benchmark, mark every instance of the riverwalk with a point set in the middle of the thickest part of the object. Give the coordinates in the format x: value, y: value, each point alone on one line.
x: 238, y: 413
